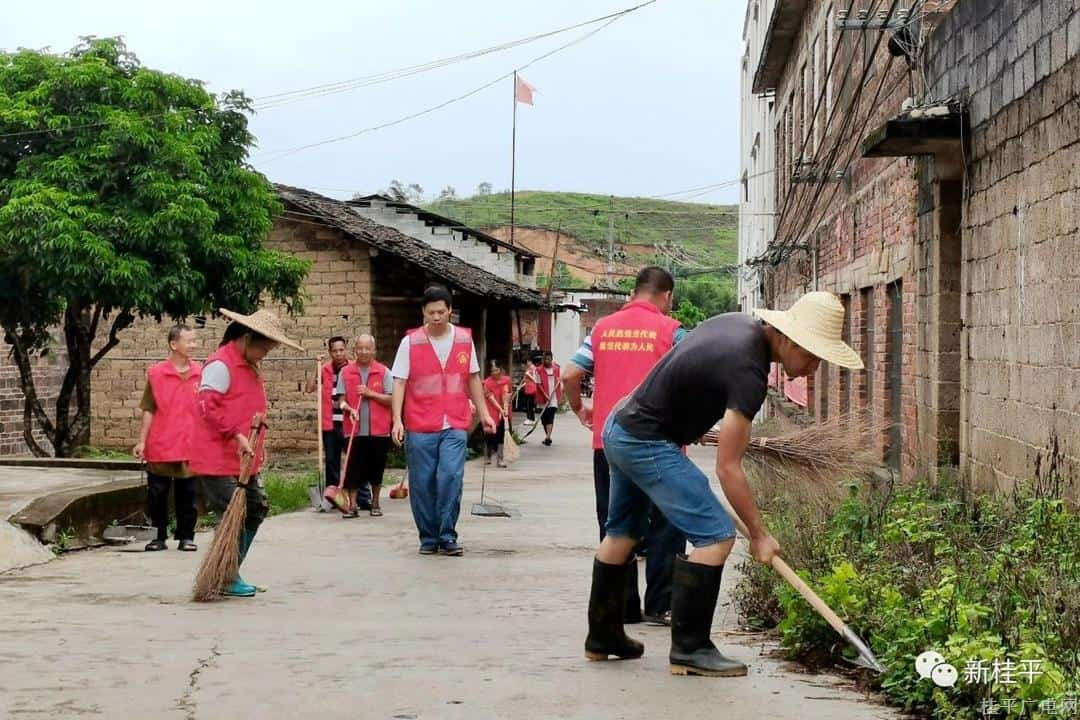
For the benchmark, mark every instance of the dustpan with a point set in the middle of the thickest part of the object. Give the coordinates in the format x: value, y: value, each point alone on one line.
x: 488, y: 509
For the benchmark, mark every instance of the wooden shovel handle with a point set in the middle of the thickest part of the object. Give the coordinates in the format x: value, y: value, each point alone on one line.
x: 791, y: 576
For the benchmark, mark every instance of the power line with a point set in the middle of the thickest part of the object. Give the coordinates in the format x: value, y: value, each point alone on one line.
x: 273, y: 100
x: 777, y: 251
x: 291, y: 96
x: 280, y: 154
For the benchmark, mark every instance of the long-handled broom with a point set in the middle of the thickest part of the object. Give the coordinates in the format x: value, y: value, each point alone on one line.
x: 222, y: 562
x: 813, y: 458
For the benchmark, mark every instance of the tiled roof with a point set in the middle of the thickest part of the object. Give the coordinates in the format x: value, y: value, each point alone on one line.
x: 455, y: 271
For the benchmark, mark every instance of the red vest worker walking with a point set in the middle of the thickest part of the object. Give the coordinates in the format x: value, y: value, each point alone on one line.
x: 168, y: 407
x: 232, y: 392
x: 363, y: 394
x: 621, y: 351
x: 333, y: 434
x: 436, y: 373
x: 549, y: 393
x: 497, y: 392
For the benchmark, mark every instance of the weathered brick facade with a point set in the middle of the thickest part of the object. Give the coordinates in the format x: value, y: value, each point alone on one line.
x: 48, y: 375
x: 960, y: 270
x: 352, y: 288
x: 338, y: 289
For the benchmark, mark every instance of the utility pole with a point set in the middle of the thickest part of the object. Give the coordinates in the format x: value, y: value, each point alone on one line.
x: 611, y: 242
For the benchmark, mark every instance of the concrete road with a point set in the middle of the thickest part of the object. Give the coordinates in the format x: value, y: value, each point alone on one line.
x: 357, y: 625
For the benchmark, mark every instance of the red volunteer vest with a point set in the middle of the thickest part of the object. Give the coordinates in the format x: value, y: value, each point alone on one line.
x: 327, y: 396
x: 530, y: 384
x: 381, y: 417
x: 217, y: 453
x: 626, y: 345
x: 170, y: 434
x: 543, y: 392
x: 500, y: 389
x: 432, y: 391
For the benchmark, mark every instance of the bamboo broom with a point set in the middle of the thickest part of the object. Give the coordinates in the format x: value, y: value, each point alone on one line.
x: 222, y: 563
x: 816, y: 458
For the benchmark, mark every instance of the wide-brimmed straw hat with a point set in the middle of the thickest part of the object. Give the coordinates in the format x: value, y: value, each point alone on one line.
x: 263, y: 322
x: 816, y: 323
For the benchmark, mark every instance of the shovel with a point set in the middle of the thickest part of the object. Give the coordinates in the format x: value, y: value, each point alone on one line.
x: 335, y: 494
x: 866, y: 658
x: 315, y: 492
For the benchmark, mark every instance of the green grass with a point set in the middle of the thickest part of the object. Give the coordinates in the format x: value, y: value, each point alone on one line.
x: 707, y: 233
x: 288, y: 492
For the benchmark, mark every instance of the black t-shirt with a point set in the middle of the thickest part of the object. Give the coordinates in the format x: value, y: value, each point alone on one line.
x: 723, y: 363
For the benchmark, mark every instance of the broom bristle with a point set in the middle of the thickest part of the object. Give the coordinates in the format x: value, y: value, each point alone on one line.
x: 820, y: 457
x: 222, y: 562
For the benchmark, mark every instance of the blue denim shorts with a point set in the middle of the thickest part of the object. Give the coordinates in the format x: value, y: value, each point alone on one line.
x: 658, y: 470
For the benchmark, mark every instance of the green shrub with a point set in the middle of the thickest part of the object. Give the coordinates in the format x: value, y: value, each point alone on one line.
x: 920, y: 568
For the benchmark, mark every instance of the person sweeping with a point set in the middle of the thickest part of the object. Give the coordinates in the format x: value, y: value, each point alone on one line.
x: 719, y: 373
x: 231, y: 394
x: 497, y: 392
x: 364, y: 396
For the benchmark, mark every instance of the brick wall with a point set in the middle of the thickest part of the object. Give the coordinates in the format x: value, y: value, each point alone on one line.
x: 48, y: 375
x: 1016, y: 64
x: 859, y: 232
x: 338, y: 302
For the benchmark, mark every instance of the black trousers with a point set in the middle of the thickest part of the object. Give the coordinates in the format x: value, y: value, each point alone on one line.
x: 157, y: 495
x: 529, y: 402
x: 662, y: 543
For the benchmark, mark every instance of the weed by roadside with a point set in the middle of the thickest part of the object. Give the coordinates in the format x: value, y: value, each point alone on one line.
x: 992, y: 580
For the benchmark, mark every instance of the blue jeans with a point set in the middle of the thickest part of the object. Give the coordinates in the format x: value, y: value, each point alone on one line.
x: 658, y: 470
x: 436, y: 477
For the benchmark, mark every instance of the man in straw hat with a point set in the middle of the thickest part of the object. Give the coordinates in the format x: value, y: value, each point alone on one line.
x: 718, y: 374
x: 230, y: 394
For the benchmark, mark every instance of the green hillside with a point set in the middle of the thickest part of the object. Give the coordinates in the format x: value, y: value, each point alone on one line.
x: 686, y: 235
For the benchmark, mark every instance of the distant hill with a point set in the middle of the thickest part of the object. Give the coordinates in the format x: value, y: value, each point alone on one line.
x: 679, y: 234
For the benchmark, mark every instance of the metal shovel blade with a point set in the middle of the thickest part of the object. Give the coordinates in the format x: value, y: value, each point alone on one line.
x: 866, y: 658
x: 489, y: 510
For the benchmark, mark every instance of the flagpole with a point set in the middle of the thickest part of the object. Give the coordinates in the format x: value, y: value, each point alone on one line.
x: 513, y: 161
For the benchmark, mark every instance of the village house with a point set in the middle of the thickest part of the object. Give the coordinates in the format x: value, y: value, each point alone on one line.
x: 930, y: 180
x: 367, y: 276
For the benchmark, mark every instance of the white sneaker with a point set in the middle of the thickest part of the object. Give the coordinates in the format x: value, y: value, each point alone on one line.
x: 529, y: 422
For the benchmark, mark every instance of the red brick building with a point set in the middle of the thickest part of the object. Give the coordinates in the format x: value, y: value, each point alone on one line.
x: 926, y: 174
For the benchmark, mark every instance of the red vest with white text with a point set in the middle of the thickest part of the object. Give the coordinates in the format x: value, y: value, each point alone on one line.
x: 215, y: 453
x: 379, y: 381
x: 433, y: 391
x: 626, y: 345
x: 169, y: 439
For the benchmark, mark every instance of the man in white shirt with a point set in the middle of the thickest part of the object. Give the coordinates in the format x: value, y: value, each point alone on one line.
x: 436, y: 373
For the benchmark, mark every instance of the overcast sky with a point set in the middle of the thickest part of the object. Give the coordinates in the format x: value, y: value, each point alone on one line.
x: 647, y: 106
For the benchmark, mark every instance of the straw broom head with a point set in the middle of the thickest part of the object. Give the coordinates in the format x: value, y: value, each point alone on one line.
x: 222, y: 563
x: 816, y: 460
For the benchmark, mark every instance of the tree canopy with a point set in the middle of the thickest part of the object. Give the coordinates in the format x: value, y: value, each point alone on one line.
x: 124, y: 192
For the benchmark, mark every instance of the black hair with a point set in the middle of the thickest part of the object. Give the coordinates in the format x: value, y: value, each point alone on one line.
x: 493, y: 364
x: 235, y: 331
x: 549, y: 354
x: 336, y: 338
x: 435, y: 293
x: 654, y: 280
x: 175, y: 330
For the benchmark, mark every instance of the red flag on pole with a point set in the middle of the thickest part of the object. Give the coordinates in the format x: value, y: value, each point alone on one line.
x: 523, y: 91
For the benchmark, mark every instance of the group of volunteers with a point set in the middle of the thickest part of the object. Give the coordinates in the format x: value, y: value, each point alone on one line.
x: 657, y: 390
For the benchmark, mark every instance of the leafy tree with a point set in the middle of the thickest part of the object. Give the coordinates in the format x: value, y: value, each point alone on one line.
x: 124, y: 193
x: 448, y: 193
x: 483, y: 189
x: 712, y: 294
x: 397, y: 191
x: 689, y: 314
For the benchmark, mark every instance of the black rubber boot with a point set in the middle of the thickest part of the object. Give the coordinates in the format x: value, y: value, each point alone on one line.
x: 693, y: 602
x: 607, y: 602
x: 632, y: 615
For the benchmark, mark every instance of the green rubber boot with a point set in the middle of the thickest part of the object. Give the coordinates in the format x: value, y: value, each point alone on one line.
x: 239, y: 588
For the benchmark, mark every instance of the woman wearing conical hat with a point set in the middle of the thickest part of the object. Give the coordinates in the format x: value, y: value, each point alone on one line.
x: 719, y: 373
x: 230, y: 394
